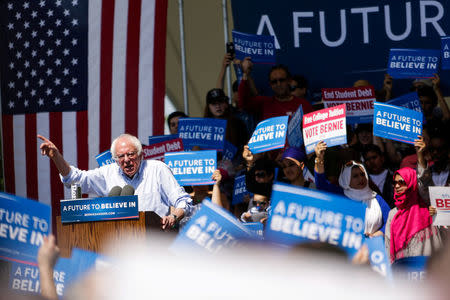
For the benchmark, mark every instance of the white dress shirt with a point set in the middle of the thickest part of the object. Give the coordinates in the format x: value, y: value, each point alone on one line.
x: 154, y: 184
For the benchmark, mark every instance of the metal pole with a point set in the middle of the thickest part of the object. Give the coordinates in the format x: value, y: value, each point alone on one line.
x: 183, y: 58
x: 225, y: 31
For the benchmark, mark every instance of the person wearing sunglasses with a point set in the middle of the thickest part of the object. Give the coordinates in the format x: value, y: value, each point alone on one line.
x: 260, y: 204
x: 354, y: 184
x: 152, y: 180
x: 409, y: 230
x: 282, y: 103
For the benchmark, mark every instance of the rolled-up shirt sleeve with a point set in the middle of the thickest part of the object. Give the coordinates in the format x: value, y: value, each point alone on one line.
x: 92, y: 181
x: 171, y: 190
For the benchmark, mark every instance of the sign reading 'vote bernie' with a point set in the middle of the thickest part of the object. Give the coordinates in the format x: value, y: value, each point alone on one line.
x: 397, y: 123
x: 301, y: 215
x: 269, y: 134
x: 326, y: 125
x: 358, y: 102
x: 193, y: 167
x: 413, y: 63
x: 205, y: 133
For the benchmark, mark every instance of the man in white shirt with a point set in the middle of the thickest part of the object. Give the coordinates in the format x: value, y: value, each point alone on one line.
x: 152, y: 180
x: 382, y: 177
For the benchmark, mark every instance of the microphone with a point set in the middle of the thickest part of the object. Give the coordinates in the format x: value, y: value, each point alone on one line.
x: 115, y: 191
x: 127, y: 190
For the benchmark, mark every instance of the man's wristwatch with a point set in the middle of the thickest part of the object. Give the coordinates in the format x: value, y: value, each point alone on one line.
x: 174, y: 217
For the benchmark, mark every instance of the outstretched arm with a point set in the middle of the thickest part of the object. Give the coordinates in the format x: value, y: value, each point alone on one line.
x: 442, y: 104
x: 49, y: 149
x: 47, y: 257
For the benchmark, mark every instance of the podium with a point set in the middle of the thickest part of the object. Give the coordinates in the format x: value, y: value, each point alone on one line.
x: 94, y: 236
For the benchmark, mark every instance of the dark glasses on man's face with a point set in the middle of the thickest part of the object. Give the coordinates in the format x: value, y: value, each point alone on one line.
x: 399, y: 182
x: 260, y: 174
x: 259, y: 203
x: 276, y: 80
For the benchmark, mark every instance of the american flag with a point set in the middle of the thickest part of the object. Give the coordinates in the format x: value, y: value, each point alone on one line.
x: 80, y: 73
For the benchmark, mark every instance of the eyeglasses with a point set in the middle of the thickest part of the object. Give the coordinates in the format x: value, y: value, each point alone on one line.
x: 259, y: 203
x: 260, y: 174
x: 276, y: 80
x: 399, y: 182
x: 131, y: 155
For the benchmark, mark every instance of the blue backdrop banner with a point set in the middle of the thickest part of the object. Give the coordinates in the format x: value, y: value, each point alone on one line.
x: 335, y: 43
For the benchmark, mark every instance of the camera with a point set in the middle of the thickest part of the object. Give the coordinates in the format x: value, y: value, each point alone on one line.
x: 230, y: 49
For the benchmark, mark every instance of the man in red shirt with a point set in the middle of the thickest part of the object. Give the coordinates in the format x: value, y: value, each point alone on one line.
x: 280, y: 104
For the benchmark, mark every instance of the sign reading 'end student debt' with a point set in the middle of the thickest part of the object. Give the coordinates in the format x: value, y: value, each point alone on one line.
x: 193, y: 167
x: 358, y: 102
x: 413, y: 63
x: 261, y: 48
x: 206, y: 133
x: 269, y: 134
x: 328, y: 125
x: 397, y: 123
x: 300, y: 215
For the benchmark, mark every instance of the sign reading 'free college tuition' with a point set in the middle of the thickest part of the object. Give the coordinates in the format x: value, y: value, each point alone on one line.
x: 326, y: 125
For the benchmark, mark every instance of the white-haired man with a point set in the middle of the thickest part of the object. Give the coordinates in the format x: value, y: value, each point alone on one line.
x: 152, y: 180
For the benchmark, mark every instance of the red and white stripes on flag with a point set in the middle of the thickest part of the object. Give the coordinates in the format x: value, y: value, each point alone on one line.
x: 126, y: 86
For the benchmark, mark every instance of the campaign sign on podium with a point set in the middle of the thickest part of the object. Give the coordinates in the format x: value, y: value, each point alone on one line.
x: 99, y: 209
x: 23, y: 225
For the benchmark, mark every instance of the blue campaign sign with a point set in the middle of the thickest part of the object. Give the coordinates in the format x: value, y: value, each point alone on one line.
x: 309, y: 36
x: 413, y: 63
x: 229, y: 151
x: 25, y: 279
x: 239, y: 190
x: 105, y: 158
x: 295, y: 136
x: 209, y: 231
x: 205, y: 133
x: 23, y: 225
x: 256, y: 227
x: 445, y: 53
x: 192, y: 167
x: 99, y: 209
x: 396, y: 123
x: 269, y: 134
x: 261, y: 48
x: 378, y: 257
x: 161, y: 138
x: 301, y: 215
x: 410, y: 100
x: 410, y: 268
